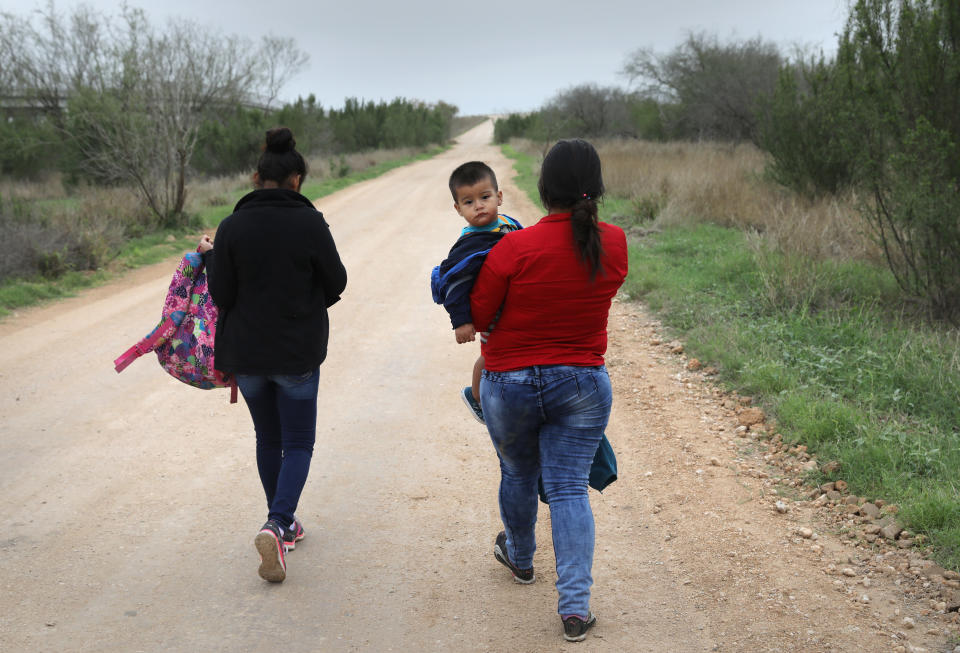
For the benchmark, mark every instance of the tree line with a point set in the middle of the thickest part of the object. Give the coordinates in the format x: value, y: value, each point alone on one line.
x: 231, y: 142
x: 880, y: 117
x: 116, y: 100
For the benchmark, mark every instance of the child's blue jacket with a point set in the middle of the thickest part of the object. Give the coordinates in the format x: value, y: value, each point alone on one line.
x: 452, y: 280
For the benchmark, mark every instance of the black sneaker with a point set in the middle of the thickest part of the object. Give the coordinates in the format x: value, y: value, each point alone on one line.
x: 293, y: 534
x: 575, y: 628
x: 467, y: 395
x: 524, y: 576
x: 270, y: 546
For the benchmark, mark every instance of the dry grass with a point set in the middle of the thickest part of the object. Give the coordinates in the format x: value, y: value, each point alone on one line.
x: 60, y: 233
x: 676, y: 183
x: 216, y: 191
x: 359, y: 161
x: 48, y: 186
x: 49, y: 228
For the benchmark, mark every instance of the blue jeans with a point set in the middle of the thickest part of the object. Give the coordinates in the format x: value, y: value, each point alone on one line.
x: 547, y: 421
x: 284, y: 412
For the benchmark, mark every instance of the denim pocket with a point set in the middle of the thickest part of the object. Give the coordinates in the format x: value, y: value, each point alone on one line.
x: 294, y: 379
x: 290, y: 380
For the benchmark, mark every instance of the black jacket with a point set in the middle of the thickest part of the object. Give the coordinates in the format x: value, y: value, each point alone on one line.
x: 274, y: 272
x: 451, y: 285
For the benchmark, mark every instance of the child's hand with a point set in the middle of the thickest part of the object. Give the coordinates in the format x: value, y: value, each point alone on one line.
x: 205, y: 244
x: 465, y: 333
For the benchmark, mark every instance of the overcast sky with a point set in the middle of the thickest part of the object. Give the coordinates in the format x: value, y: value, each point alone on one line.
x: 484, y: 56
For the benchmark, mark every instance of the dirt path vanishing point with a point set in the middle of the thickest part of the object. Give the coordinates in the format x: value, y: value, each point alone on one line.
x: 129, y: 502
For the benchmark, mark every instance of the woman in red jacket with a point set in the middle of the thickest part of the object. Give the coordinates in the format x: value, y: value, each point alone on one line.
x: 545, y: 391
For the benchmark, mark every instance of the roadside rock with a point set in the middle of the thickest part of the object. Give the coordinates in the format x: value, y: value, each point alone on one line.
x: 870, y: 510
x: 953, y: 602
x: 831, y: 467
x: 891, y: 530
x: 751, y: 416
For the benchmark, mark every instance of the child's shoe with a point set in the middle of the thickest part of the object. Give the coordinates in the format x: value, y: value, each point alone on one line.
x: 270, y: 546
x: 472, y: 404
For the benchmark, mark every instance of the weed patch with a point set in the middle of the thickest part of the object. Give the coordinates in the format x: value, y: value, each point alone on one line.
x: 91, y: 242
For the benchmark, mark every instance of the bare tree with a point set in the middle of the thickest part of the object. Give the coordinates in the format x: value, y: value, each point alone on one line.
x: 713, y: 87
x: 131, y: 98
x: 590, y: 110
x: 282, y: 59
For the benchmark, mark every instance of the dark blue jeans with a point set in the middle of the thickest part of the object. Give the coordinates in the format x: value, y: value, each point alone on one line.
x: 284, y: 412
x: 548, y: 420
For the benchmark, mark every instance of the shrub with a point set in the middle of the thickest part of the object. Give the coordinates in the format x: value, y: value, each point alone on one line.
x: 884, y: 118
x: 903, y: 65
x: 805, y: 127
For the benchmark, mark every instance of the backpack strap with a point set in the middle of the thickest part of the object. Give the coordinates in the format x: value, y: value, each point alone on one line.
x: 146, y: 345
x: 233, y: 390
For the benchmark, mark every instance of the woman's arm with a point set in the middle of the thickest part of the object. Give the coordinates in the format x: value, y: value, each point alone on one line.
x: 333, y: 276
x: 493, y: 281
x: 221, y: 277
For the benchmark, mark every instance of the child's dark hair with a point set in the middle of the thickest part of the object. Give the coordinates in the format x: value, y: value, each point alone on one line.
x: 570, y: 179
x: 470, y: 173
x: 280, y: 158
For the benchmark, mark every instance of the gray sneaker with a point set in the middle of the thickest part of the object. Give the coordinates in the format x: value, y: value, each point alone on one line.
x: 575, y: 628
x: 293, y: 534
x: 522, y: 576
x: 269, y: 544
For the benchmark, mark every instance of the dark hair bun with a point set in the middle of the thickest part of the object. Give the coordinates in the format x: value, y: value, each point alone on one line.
x: 280, y: 140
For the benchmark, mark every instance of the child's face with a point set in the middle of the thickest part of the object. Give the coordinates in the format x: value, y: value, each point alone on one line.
x: 478, y: 204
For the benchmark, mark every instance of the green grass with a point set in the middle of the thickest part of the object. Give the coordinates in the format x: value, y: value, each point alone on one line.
x: 822, y: 346
x: 161, y: 245
x: 527, y: 169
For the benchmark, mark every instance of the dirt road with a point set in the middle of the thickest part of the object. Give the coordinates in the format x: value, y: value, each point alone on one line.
x: 129, y: 502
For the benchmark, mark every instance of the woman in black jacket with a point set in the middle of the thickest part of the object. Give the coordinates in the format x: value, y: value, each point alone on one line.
x: 275, y: 273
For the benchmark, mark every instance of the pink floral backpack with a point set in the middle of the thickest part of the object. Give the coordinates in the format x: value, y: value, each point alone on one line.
x: 183, y: 341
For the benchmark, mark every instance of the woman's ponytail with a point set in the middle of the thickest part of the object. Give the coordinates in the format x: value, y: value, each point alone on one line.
x: 571, y: 178
x: 586, y: 233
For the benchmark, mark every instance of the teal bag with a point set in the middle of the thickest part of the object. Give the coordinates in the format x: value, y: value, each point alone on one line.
x: 603, y: 471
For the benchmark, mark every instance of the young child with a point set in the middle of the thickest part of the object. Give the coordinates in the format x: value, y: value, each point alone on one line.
x: 477, y: 199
